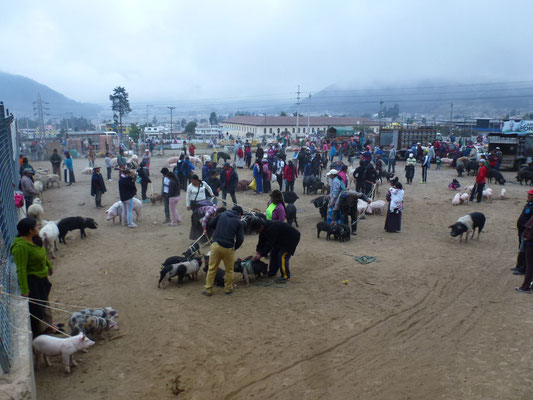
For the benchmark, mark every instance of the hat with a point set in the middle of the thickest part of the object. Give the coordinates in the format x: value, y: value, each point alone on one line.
x: 497, y: 148
x: 530, y: 191
x: 265, y: 159
x: 411, y: 155
x: 332, y: 172
x: 29, y: 171
x: 227, y: 164
x: 96, y: 167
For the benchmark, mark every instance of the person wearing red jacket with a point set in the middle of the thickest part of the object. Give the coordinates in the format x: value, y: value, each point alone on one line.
x: 480, y: 182
x: 290, y: 174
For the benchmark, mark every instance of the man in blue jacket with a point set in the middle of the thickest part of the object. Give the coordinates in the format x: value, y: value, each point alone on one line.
x: 227, y: 238
x: 229, y: 180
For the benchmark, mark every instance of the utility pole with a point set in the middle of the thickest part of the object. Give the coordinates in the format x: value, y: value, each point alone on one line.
x: 144, y: 131
x: 40, y: 109
x: 308, y: 113
x: 297, y: 114
x: 451, y: 117
x: 171, y: 108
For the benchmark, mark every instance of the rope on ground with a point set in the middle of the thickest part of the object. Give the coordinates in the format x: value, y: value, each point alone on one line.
x: 365, y: 259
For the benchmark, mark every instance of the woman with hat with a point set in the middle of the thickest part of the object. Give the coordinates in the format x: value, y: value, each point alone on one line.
x: 97, y: 186
x: 275, y: 210
x: 26, y: 185
x: 410, y: 164
x: 393, y: 221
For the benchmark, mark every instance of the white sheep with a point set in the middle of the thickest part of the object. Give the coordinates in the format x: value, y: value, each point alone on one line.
x: 36, y: 211
x: 50, y: 235
x: 39, y: 186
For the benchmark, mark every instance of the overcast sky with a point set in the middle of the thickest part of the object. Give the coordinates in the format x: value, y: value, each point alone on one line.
x: 173, y: 50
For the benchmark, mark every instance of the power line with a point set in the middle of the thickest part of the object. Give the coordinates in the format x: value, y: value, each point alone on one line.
x: 40, y: 109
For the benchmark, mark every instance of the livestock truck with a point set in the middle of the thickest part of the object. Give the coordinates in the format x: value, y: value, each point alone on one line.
x: 515, y: 142
x: 403, y: 138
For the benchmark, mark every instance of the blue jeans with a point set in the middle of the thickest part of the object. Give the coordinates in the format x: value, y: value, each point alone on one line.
x: 127, y: 212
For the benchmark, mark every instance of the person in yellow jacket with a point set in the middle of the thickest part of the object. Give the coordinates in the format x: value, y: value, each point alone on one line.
x: 33, y: 269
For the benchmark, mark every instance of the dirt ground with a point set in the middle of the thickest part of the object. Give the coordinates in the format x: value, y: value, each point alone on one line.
x: 432, y: 318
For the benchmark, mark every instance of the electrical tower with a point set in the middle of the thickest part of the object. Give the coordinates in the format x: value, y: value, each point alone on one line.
x: 171, y: 109
x: 40, y: 109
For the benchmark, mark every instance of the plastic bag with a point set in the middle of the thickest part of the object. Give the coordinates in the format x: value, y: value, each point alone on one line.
x: 273, y: 178
x: 19, y: 200
x: 253, y: 185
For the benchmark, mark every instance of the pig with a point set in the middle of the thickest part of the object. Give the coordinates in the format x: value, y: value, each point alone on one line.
x: 116, y: 210
x: 78, y: 318
x: 87, y: 171
x: 172, y: 160
x: 324, y: 226
x: 50, y: 235
x: 68, y: 224
x: 456, y: 200
x: 290, y: 197
x: 377, y: 207
x: 487, y: 194
x: 195, y: 160
x: 65, y: 347
x: 187, y: 268
x: 96, y: 325
x: 468, y: 223
x: 291, y: 214
x: 503, y: 194
x: 465, y: 197
x: 242, y: 185
x: 469, y: 189
x: 361, y: 206
x: 154, y: 198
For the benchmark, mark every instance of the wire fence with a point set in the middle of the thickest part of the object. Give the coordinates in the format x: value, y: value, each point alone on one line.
x: 8, y: 222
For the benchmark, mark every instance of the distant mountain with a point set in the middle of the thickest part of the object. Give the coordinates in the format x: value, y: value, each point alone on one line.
x: 427, y: 97
x: 18, y: 94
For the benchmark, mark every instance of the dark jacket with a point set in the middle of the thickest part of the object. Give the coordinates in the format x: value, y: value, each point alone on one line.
x: 230, y: 186
x: 278, y: 235
x: 214, y: 184
x: 144, y: 174
x: 126, y: 188
x: 527, y: 212
x: 97, y: 183
x: 259, y: 153
x: 55, y: 159
x: 173, y: 187
x: 228, y: 229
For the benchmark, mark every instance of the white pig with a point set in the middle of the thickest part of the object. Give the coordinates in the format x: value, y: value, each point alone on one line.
x: 50, y: 235
x: 503, y: 194
x: 65, y: 347
x: 456, y: 199
x: 361, y: 206
x: 487, y: 194
x: 464, y: 198
x: 116, y: 210
x: 378, y: 207
x: 172, y: 160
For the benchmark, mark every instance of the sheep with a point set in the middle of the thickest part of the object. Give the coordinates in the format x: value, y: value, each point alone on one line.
x: 39, y: 186
x: 503, y: 194
x: 36, y: 211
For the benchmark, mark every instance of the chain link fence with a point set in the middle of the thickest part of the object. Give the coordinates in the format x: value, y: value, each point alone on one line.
x: 8, y: 222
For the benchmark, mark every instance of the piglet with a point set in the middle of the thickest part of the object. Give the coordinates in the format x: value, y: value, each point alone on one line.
x: 456, y: 200
x: 464, y: 198
x: 65, y: 347
x: 487, y: 194
x: 377, y: 207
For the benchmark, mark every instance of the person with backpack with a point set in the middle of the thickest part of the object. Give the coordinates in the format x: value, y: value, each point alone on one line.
x: 186, y: 169
x: 144, y: 175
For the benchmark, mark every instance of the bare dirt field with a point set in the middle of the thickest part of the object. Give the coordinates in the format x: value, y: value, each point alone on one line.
x: 432, y: 318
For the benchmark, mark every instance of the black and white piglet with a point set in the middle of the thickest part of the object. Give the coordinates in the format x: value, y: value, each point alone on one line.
x: 468, y: 223
x: 186, y: 268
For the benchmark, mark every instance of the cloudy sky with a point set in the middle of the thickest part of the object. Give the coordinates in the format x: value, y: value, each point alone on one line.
x: 176, y: 49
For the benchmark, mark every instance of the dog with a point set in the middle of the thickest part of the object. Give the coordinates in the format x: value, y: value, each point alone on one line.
x: 324, y: 226
x: 155, y: 198
x: 248, y: 267
x: 68, y: 224
x: 468, y: 223
x: 291, y: 211
x: 186, y: 268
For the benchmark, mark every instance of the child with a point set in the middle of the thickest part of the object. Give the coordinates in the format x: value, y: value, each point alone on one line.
x: 108, y: 166
x: 438, y: 161
x: 454, y: 185
x: 97, y: 186
x: 215, y: 185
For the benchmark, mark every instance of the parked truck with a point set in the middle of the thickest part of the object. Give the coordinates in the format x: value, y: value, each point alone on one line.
x: 403, y: 138
x: 515, y: 141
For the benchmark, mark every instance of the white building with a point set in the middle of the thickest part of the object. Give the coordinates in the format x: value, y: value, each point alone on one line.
x: 208, y: 131
x: 155, y: 131
x: 242, y: 126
